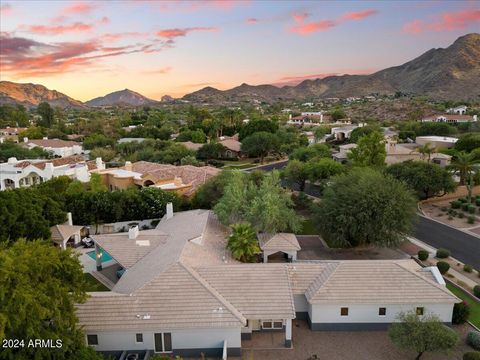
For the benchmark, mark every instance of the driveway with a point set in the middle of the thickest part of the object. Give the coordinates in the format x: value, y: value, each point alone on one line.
x: 462, y: 246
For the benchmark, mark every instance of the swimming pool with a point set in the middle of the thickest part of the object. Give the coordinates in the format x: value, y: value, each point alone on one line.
x: 105, y: 255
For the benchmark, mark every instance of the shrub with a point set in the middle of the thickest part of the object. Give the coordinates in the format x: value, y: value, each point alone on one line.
x: 450, y: 218
x: 423, y: 255
x: 473, y: 339
x: 471, y: 208
x: 471, y: 219
x: 444, y: 208
x: 461, y: 215
x: 477, y: 201
x: 476, y: 291
x: 463, y: 200
x: 443, y: 253
x: 471, y: 355
x: 467, y: 268
x: 455, y: 204
x: 443, y: 267
x: 465, y: 206
x: 461, y: 312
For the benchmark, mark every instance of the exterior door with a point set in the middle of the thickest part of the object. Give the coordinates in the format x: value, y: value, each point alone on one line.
x: 158, y: 342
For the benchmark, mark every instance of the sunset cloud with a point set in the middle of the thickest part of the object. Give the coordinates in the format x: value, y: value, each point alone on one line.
x: 193, y: 5
x: 306, y: 28
x: 78, y: 8
x: 5, y: 9
x: 251, y: 21
x: 77, y: 27
x: 447, y: 21
x: 161, y: 71
x: 358, y: 15
x: 179, y: 32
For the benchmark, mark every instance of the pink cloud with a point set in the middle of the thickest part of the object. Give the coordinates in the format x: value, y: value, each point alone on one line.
x: 358, y: 15
x: 178, y: 32
x: 300, y: 17
x: 77, y: 27
x: 5, y: 9
x: 251, y: 21
x: 111, y: 37
x: 192, y: 5
x: 162, y: 71
x: 312, y: 27
x: 78, y: 8
x: 447, y: 21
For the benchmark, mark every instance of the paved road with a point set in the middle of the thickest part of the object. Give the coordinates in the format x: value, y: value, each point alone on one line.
x: 270, y: 167
x: 462, y: 246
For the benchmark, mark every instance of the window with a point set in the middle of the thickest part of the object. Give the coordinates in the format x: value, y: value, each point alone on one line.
x: 139, y: 338
x: 344, y: 311
x: 92, y: 339
x: 382, y: 311
x: 419, y: 311
x: 272, y: 324
x: 163, y: 342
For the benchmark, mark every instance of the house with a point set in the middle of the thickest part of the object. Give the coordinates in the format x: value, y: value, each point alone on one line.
x: 233, y: 146
x: 460, y: 110
x: 191, y: 145
x: 344, y: 132
x: 341, y: 155
x: 450, y: 118
x: 59, y: 148
x: 10, y: 133
x: 312, y: 118
x: 438, y: 142
x: 184, y: 179
x: 24, y: 173
x: 183, y: 294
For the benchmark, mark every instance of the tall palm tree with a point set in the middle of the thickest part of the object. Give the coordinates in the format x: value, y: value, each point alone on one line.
x: 463, y: 165
x: 243, y: 242
x: 426, y: 150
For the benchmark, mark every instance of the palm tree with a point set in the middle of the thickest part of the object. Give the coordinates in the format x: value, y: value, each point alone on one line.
x: 426, y: 150
x: 463, y: 165
x: 243, y: 242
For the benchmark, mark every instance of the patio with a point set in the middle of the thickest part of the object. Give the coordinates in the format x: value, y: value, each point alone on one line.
x: 265, y: 340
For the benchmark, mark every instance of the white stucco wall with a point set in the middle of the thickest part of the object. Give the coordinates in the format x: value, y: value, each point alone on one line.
x: 322, y: 313
x: 181, y: 339
x: 300, y: 302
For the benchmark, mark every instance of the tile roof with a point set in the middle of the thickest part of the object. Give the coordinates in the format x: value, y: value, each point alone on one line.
x: 191, y: 145
x: 256, y: 290
x: 231, y: 144
x: 53, y: 143
x: 175, y: 299
x: 373, y: 281
x: 63, y: 232
x: 278, y: 242
x: 68, y: 160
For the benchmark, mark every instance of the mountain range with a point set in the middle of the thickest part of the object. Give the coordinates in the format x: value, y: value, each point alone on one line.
x: 452, y: 73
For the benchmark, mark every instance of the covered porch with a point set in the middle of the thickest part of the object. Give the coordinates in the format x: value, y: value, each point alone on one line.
x: 267, y: 334
x: 281, y: 246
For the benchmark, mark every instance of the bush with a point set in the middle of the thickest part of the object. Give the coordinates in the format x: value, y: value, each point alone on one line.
x: 471, y: 355
x: 461, y: 312
x: 477, y: 201
x: 455, y: 204
x: 463, y: 200
x: 423, y: 255
x: 443, y: 267
x: 465, y: 206
x: 461, y: 215
x: 471, y: 219
x: 443, y: 253
x: 444, y: 208
x: 476, y: 291
x: 471, y: 208
x: 467, y: 268
x: 473, y: 339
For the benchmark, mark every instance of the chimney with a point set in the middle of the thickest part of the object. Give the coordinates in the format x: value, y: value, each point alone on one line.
x: 99, y: 163
x: 25, y: 139
x: 69, y: 219
x: 133, y: 232
x: 49, y: 168
x: 12, y: 160
x: 128, y: 166
x: 169, y: 210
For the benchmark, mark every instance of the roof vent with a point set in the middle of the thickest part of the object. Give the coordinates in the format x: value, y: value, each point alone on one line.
x: 146, y: 317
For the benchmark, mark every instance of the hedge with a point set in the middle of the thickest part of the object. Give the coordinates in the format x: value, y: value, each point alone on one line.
x: 443, y: 267
x: 443, y: 253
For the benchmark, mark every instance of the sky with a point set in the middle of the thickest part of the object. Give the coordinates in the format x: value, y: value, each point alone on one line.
x: 87, y: 49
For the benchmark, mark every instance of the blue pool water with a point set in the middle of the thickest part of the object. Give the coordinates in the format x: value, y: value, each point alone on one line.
x: 105, y: 255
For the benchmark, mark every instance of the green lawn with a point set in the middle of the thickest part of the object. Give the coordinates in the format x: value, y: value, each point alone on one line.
x: 474, y: 306
x: 242, y: 164
x: 308, y: 228
x: 93, y: 284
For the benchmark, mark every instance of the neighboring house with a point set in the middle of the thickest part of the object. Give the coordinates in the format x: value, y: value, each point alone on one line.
x: 10, y: 133
x: 344, y: 132
x: 396, y: 153
x: 183, y: 294
x: 460, y: 110
x: 309, y: 118
x: 233, y: 146
x: 450, y: 118
x: 59, y: 148
x: 438, y: 142
x: 24, y: 173
x: 191, y: 145
x: 184, y: 179
x: 128, y: 140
